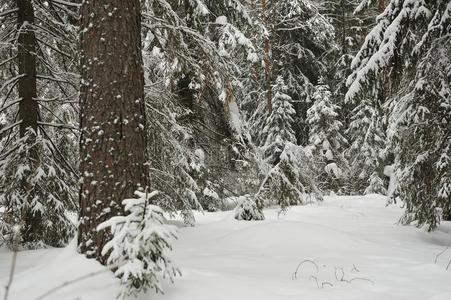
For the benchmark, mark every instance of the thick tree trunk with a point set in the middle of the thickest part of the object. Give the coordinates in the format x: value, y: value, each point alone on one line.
x: 28, y: 107
x: 112, y: 145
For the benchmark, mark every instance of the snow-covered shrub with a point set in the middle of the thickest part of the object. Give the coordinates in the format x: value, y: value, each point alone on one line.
x: 138, y: 249
x: 210, y: 199
x: 376, y: 185
x: 248, y: 210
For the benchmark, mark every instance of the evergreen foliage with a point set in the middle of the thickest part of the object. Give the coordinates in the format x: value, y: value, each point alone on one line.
x: 248, y: 210
x: 35, y: 187
x: 138, y: 249
x: 38, y: 151
x: 406, y: 56
x: 326, y: 139
x: 366, y: 147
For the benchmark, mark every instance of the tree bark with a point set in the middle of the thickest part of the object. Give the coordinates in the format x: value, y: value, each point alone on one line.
x: 28, y: 108
x: 267, y: 56
x: 381, y: 6
x: 112, y: 145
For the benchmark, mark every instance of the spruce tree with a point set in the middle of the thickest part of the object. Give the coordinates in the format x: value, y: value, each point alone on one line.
x: 326, y: 139
x: 365, y: 153
x: 287, y: 178
x: 278, y: 129
x: 39, y: 75
x: 292, y: 38
x: 200, y: 45
x: 406, y: 56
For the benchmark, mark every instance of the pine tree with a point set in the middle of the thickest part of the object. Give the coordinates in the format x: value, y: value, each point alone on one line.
x: 138, y: 250
x: 200, y: 45
x: 278, y: 129
x: 351, y: 23
x: 287, y: 177
x: 38, y: 180
x: 113, y: 122
x: 300, y: 38
x: 291, y: 38
x: 366, y: 147
x: 326, y: 140
x: 406, y: 54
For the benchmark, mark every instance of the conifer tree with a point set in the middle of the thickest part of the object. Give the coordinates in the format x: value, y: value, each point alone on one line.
x: 326, y: 139
x: 287, y: 178
x: 407, y: 51
x: 37, y: 179
x: 278, y: 129
x: 298, y: 37
x: 366, y: 148
x: 301, y: 36
x: 199, y: 46
x: 113, y: 122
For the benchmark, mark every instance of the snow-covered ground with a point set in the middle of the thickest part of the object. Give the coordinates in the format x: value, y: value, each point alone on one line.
x: 346, y: 248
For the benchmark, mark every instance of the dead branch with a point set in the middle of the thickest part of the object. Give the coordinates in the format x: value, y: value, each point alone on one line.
x: 295, y: 274
x: 70, y: 282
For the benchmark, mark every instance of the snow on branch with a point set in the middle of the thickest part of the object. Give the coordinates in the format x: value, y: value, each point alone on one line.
x: 140, y: 244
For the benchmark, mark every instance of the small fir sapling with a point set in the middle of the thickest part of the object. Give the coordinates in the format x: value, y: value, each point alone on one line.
x: 138, y: 251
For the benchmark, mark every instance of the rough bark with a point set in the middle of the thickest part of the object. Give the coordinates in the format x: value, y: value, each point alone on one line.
x: 28, y: 107
x: 112, y: 145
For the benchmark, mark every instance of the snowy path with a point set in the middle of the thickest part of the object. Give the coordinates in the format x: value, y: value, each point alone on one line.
x: 359, y: 252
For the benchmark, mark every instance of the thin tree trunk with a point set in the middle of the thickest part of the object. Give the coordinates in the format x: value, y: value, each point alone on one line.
x: 381, y: 6
x: 267, y: 56
x: 28, y: 107
x: 112, y: 145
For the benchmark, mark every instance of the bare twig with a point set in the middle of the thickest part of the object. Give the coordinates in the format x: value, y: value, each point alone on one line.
x: 359, y: 278
x: 316, y: 280
x: 440, y: 253
x: 337, y: 273
x: 16, y: 240
x: 11, y: 275
x: 295, y: 274
x: 70, y: 282
x: 326, y: 283
x: 343, y: 279
x: 323, y: 284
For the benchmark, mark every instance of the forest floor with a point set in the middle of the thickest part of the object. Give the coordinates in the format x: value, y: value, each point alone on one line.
x: 345, y: 248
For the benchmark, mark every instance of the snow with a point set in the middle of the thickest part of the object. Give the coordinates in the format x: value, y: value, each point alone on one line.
x: 389, y: 171
x: 352, y: 243
x: 221, y: 20
x: 235, y: 118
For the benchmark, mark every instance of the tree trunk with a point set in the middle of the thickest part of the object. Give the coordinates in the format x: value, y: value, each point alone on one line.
x: 381, y: 6
x: 112, y: 145
x: 28, y: 107
x: 267, y: 56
